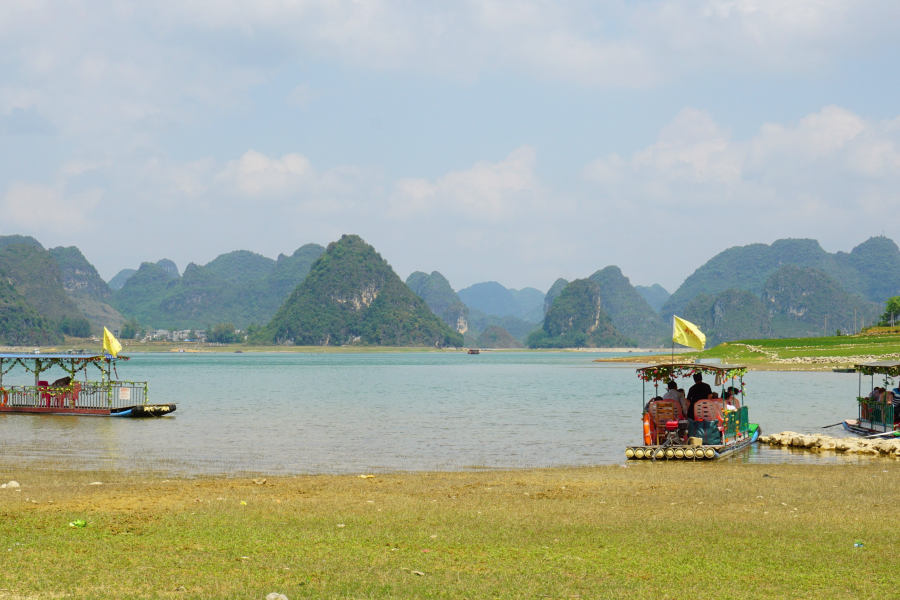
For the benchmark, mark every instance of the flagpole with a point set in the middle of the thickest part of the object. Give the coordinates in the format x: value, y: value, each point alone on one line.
x: 673, y: 339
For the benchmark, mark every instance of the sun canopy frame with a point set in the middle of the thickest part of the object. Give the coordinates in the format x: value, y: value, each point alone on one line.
x: 880, y: 367
x: 674, y: 371
x: 70, y: 363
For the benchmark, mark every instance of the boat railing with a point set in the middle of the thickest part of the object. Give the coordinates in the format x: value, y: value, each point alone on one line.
x: 737, y: 423
x: 87, y: 394
x: 876, y: 412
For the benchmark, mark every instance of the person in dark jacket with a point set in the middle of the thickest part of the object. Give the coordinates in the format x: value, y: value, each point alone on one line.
x: 698, y: 391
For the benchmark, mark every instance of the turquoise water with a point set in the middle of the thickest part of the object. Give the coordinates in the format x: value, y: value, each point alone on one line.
x: 348, y: 413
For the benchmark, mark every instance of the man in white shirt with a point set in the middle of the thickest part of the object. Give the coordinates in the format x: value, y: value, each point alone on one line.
x: 673, y: 394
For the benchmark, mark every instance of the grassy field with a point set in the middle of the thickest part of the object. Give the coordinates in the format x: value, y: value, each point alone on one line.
x: 794, y: 353
x: 719, y: 531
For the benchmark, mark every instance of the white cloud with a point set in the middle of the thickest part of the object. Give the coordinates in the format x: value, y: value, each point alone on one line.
x: 43, y: 207
x: 491, y: 191
x: 832, y: 176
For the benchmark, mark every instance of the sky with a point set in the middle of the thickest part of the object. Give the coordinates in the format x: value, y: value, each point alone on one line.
x: 513, y: 141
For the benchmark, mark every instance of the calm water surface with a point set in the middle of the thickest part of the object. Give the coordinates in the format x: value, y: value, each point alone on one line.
x: 300, y: 413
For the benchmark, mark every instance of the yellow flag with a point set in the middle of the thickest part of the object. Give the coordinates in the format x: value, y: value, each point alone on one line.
x: 687, y: 334
x: 111, y: 345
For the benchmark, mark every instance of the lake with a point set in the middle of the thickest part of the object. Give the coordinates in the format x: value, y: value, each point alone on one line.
x: 283, y: 413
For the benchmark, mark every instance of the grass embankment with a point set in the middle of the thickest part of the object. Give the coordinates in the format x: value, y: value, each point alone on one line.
x: 648, y: 531
x: 795, y: 353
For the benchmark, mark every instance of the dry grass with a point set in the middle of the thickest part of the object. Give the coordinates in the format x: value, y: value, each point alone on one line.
x: 647, y: 531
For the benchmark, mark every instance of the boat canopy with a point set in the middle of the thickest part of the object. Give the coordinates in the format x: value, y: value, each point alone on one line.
x: 70, y: 363
x: 674, y: 371
x: 881, y: 367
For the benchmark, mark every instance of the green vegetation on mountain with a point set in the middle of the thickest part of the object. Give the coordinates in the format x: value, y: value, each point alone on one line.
x: 496, y: 337
x: 576, y: 320
x: 558, y: 286
x: 493, y: 299
x: 800, y: 299
x: 241, y: 288
x: 629, y: 312
x: 871, y: 270
x: 655, y: 295
x: 437, y: 293
x: 353, y: 296
x: 241, y: 266
x: 37, y: 278
x: 169, y: 267
x: 10, y: 240
x: 518, y: 328
x: 730, y: 315
x: 20, y: 324
x: 84, y: 285
x: 120, y: 278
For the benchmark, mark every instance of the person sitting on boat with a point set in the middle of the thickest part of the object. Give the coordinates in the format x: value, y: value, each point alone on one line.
x: 734, y: 396
x: 698, y: 391
x: 673, y: 394
x: 650, y: 401
x: 729, y: 400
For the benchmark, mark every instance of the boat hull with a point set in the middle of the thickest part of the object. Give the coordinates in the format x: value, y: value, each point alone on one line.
x: 691, y: 452
x: 143, y: 411
x: 855, y: 426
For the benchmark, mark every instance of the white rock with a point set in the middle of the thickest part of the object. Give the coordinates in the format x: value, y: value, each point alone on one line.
x: 3, y: 487
x: 13, y: 484
x: 276, y: 596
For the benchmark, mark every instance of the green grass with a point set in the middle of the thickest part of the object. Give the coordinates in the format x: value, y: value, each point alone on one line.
x: 841, y: 348
x: 649, y: 531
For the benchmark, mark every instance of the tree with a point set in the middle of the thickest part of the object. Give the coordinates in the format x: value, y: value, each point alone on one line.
x: 223, y: 333
x: 130, y: 329
x: 891, y: 311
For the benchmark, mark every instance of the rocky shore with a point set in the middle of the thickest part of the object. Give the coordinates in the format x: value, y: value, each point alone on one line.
x: 820, y: 442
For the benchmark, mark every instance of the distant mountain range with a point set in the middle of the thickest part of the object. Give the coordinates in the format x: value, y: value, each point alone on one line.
x: 787, y: 289
x: 241, y: 288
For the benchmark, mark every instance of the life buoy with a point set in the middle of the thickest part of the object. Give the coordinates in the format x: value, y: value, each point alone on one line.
x: 648, y: 437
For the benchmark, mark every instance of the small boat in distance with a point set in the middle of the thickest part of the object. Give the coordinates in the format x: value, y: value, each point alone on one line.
x: 876, y: 411
x: 474, y: 351
x: 68, y: 396
x: 717, y: 431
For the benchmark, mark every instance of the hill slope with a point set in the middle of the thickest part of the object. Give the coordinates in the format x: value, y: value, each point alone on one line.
x: 241, y: 288
x: 871, y: 270
x: 576, y: 320
x: 352, y: 295
x: 799, y: 298
x: 118, y: 281
x: 629, y: 312
x: 558, y: 286
x: 37, y: 278
x: 655, y: 295
x: 728, y: 316
x: 84, y: 285
x: 497, y: 337
x: 20, y: 324
x: 435, y: 290
x: 493, y: 299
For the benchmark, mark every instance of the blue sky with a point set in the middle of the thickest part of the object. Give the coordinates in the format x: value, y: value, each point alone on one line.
x: 510, y: 141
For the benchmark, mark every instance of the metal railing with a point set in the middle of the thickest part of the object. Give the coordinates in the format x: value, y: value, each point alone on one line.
x: 737, y: 423
x: 876, y: 412
x: 89, y: 394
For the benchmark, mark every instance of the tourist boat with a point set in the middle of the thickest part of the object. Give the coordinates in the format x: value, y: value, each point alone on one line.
x: 474, y: 351
x: 68, y: 396
x: 875, y: 416
x: 669, y: 435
